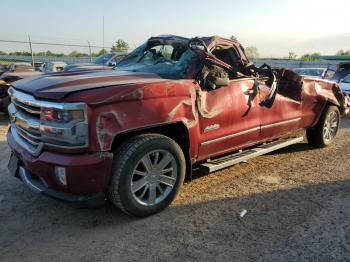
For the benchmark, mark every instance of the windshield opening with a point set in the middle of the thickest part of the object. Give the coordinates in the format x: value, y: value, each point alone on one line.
x: 168, y: 58
x: 102, y: 59
x: 346, y: 79
x: 310, y: 71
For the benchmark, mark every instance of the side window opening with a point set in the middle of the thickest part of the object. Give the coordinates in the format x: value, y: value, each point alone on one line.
x: 229, y: 56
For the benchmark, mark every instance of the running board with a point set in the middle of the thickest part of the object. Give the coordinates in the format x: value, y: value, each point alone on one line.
x: 219, y: 163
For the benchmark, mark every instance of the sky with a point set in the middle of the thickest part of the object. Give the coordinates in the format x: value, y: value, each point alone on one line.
x: 274, y: 27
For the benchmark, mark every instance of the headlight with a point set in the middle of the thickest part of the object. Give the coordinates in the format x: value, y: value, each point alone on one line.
x: 66, y: 126
x: 61, y: 115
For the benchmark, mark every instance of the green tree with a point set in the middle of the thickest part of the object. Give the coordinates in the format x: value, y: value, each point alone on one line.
x: 310, y: 57
x: 21, y: 53
x: 77, y: 54
x: 120, y: 46
x: 232, y: 37
x: 252, y: 52
x: 292, y: 56
x: 343, y: 53
x: 2, y: 53
x: 102, y: 51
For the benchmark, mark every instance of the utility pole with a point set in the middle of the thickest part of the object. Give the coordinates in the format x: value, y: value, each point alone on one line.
x: 90, y: 50
x: 31, y: 51
x: 103, y: 37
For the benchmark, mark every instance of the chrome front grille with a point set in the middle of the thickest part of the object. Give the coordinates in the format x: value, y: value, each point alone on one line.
x: 25, y: 125
x: 33, y: 110
x: 25, y: 121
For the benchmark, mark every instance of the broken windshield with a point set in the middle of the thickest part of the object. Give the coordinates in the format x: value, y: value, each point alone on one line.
x: 167, y: 59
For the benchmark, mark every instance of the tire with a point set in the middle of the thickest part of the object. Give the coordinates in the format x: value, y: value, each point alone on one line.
x: 319, y: 136
x: 137, y: 186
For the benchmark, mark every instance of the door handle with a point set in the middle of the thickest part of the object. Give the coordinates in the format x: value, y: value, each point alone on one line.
x: 254, y: 90
x: 250, y: 92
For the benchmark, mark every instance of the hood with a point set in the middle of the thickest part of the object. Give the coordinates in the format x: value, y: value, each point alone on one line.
x: 59, y: 85
x: 13, y: 76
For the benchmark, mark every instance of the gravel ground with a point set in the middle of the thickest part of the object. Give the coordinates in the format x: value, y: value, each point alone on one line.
x: 298, y: 203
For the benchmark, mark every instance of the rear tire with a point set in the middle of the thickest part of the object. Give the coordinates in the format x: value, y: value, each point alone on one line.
x: 326, y: 128
x: 147, y: 173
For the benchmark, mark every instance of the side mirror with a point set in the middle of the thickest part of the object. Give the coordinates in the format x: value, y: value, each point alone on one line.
x: 112, y: 64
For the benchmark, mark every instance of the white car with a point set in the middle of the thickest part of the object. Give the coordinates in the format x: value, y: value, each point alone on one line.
x: 53, y: 67
x: 322, y: 73
x: 345, y: 84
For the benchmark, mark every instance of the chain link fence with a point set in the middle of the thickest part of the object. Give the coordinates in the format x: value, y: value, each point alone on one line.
x: 37, y: 53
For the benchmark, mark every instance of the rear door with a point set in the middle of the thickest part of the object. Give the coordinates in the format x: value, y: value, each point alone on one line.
x: 284, y: 116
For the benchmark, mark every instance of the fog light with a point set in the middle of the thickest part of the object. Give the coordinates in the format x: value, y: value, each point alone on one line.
x: 60, y: 173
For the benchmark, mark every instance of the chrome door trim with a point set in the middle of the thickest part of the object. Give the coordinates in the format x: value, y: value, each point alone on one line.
x: 230, y: 136
x: 281, y: 123
x: 208, y: 142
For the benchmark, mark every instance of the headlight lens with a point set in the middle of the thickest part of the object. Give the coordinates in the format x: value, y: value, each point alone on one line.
x: 60, y: 115
x: 64, y: 126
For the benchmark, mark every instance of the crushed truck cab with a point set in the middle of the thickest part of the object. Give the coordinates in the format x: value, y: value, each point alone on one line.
x: 132, y: 134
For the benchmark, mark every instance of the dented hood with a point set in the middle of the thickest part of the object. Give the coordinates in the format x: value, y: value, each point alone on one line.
x: 56, y: 86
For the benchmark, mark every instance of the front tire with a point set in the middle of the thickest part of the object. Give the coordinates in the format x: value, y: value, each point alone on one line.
x: 147, y: 173
x: 326, y: 129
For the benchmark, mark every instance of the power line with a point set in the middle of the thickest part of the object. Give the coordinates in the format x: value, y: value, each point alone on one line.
x: 51, y: 44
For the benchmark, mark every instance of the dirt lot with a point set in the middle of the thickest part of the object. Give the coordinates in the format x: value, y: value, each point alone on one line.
x: 298, y: 202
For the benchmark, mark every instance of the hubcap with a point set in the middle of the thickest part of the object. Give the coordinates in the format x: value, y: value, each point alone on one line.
x: 330, y: 126
x: 154, y: 177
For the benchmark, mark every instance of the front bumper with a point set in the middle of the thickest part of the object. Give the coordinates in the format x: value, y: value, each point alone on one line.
x: 87, y: 175
x: 37, y: 186
x: 4, y: 98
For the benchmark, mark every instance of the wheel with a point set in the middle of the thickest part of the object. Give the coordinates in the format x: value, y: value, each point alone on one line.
x: 326, y: 129
x: 147, y: 173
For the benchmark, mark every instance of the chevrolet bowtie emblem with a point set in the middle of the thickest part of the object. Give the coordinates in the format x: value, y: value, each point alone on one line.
x: 13, y: 118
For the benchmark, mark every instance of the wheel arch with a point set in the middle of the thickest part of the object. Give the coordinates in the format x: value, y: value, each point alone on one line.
x: 175, y: 130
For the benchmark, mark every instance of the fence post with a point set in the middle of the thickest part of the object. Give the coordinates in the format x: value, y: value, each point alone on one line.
x: 31, y: 51
x: 90, y: 51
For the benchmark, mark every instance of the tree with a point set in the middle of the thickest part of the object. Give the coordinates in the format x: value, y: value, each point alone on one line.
x: 2, y: 53
x: 292, y: 56
x: 120, y: 46
x: 252, y: 52
x: 316, y: 55
x: 77, y: 54
x: 102, y: 51
x: 343, y: 53
x: 232, y: 37
x: 312, y: 57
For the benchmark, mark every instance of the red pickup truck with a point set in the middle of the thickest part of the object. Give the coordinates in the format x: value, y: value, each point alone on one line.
x: 131, y: 135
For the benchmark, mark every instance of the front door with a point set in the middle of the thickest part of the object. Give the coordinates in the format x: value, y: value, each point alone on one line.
x: 228, y: 117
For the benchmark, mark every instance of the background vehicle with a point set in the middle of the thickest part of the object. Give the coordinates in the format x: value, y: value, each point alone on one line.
x: 345, y: 85
x: 133, y: 133
x: 16, y: 71
x: 323, y: 73
x: 103, y: 62
x: 3, y: 68
x: 342, y: 71
x: 50, y: 67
